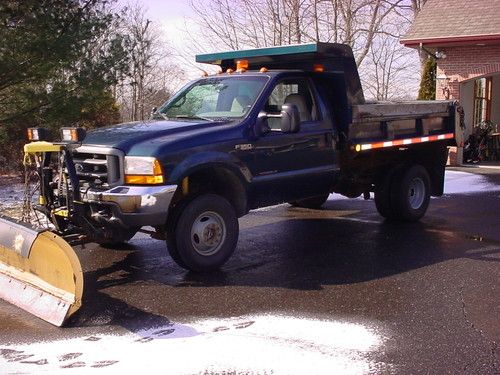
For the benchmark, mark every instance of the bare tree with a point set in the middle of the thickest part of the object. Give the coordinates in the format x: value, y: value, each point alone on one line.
x: 151, y: 72
x: 371, y: 27
x: 258, y: 23
x: 389, y: 73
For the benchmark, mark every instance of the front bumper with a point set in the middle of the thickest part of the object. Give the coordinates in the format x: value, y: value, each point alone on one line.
x: 131, y: 206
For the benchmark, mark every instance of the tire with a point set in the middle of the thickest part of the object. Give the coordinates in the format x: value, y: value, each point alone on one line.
x: 205, y: 234
x: 383, y: 197
x: 313, y: 202
x: 410, y: 194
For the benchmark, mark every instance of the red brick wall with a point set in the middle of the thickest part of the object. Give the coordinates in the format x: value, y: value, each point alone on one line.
x: 462, y: 63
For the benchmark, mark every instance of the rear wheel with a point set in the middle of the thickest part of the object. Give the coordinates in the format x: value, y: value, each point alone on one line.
x: 312, y: 202
x: 410, y: 194
x: 383, y: 197
x: 205, y: 234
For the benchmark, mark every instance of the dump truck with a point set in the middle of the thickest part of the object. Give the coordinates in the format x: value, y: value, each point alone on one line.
x: 274, y: 125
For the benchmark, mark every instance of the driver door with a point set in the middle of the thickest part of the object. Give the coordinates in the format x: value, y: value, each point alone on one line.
x: 290, y: 166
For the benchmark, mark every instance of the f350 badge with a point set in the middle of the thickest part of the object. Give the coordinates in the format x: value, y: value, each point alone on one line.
x: 244, y: 147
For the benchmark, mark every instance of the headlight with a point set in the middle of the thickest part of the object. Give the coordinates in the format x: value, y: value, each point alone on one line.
x: 142, y: 170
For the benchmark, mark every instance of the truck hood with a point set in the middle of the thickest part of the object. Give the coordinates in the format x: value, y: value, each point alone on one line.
x: 126, y: 135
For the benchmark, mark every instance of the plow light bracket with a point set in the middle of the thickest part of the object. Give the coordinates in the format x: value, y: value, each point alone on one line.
x: 73, y: 135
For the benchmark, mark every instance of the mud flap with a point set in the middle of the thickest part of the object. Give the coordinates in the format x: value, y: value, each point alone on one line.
x: 39, y: 272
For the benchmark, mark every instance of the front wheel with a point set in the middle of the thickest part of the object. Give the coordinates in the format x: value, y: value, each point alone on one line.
x: 410, y: 194
x: 205, y: 234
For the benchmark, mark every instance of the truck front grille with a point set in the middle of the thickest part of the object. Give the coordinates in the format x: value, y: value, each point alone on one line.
x: 98, y: 166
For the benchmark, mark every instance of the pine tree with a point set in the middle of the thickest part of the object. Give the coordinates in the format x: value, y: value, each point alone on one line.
x: 58, y: 62
x: 427, y: 89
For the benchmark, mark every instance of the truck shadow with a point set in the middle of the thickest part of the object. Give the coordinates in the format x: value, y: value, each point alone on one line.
x: 291, y: 250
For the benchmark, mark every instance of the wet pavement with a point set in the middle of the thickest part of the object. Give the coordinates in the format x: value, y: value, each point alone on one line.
x: 337, y: 290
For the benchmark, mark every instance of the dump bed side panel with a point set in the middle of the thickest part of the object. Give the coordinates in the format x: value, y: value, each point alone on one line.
x: 379, y: 122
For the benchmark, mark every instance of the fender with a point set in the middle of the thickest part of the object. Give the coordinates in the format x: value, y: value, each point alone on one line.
x: 208, y: 159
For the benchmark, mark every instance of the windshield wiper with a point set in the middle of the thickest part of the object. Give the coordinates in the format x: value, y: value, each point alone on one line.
x: 194, y: 117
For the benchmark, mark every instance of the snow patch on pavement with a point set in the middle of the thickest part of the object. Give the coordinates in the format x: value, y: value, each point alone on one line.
x: 457, y: 182
x: 262, y: 344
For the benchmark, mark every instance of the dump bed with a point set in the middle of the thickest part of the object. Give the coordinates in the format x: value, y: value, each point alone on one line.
x: 382, y: 122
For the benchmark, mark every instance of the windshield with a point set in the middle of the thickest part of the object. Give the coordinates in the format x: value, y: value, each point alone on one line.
x: 215, y: 98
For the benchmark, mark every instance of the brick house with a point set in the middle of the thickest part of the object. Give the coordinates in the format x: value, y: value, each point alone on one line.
x: 464, y: 36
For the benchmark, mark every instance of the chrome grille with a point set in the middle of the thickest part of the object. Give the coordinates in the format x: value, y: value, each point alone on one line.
x: 99, y: 166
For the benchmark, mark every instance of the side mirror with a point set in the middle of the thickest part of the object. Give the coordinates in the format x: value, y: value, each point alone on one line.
x: 290, y: 118
x: 261, y: 126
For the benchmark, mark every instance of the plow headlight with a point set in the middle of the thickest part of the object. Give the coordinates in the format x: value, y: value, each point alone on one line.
x: 143, y: 170
x: 73, y: 134
x: 38, y: 134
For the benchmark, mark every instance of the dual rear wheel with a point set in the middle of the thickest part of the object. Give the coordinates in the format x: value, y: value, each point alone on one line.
x: 404, y: 194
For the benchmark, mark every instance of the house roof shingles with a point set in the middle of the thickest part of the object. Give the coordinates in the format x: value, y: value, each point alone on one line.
x: 455, y: 19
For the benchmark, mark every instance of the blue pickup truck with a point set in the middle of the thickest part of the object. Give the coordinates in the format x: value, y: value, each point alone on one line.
x: 281, y: 124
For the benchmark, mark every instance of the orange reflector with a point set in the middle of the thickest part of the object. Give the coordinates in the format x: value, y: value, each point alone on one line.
x: 263, y: 70
x: 242, y: 65
x: 319, y: 68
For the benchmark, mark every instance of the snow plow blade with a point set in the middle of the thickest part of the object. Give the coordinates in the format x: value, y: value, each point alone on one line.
x: 39, y: 272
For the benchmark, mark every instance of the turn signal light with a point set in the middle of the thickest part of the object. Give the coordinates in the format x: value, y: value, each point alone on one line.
x: 143, y: 180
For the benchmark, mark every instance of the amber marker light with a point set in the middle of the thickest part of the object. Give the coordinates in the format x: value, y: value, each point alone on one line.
x: 263, y: 70
x: 241, y: 66
x: 229, y: 71
x: 318, y: 68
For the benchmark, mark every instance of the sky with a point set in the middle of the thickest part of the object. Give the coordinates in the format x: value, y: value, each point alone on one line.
x: 171, y: 16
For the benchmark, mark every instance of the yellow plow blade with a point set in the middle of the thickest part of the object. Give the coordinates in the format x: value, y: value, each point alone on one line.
x: 39, y: 272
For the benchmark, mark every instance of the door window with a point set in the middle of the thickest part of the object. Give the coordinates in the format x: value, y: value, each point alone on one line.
x: 291, y: 91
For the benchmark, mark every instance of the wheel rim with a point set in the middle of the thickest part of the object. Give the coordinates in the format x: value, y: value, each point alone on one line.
x: 208, y: 233
x: 416, y: 193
